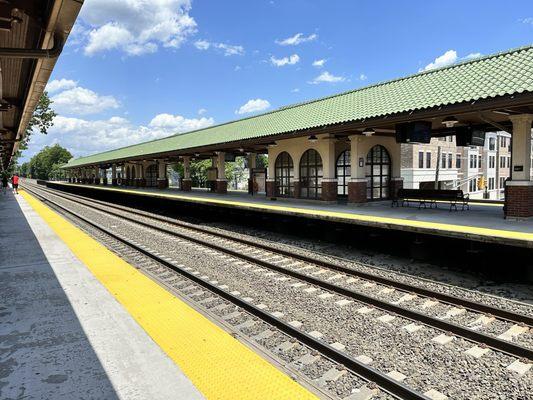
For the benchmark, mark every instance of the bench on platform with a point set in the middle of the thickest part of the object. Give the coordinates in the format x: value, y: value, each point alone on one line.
x: 431, y: 197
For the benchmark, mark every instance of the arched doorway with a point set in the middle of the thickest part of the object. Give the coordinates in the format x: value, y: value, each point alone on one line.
x: 378, y: 169
x: 311, y: 172
x: 151, y: 175
x: 343, y: 173
x: 284, y: 175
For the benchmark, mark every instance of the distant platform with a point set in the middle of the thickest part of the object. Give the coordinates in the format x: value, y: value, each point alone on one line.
x: 77, y: 321
x: 484, y: 222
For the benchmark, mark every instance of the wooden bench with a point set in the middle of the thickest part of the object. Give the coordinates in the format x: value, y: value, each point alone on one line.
x: 431, y: 197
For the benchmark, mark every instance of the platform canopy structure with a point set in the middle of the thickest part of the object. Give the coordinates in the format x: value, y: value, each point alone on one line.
x: 351, y: 142
x: 32, y: 35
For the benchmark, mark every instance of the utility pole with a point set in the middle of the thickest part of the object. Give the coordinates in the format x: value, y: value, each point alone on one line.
x: 437, y: 169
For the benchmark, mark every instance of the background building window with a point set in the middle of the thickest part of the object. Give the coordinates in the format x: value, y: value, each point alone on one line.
x: 449, y: 160
x: 443, y: 158
x: 428, y: 159
x: 491, y: 183
x: 420, y: 159
x: 457, y: 161
x: 492, y: 162
x: 491, y: 143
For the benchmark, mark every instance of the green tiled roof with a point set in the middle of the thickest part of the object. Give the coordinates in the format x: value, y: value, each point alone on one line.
x: 500, y: 74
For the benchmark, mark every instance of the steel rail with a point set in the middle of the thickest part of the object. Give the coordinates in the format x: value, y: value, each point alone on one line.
x: 370, y: 374
x: 473, y: 306
x: 446, y: 326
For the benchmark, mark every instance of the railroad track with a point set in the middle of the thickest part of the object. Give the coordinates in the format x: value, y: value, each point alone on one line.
x: 369, y: 374
x: 222, y: 243
x: 233, y: 246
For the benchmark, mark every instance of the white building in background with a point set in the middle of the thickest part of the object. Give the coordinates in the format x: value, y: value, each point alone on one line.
x: 479, y: 171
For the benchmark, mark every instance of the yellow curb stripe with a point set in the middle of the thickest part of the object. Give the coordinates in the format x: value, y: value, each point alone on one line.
x: 432, y: 227
x: 218, y: 365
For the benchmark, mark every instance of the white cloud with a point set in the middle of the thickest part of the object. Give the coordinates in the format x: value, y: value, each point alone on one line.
x: 202, y: 111
x: 295, y: 90
x: 363, y: 77
x: 527, y: 21
x: 227, y: 49
x: 82, y: 137
x: 326, y: 77
x: 177, y: 123
x: 60, y: 84
x: 82, y: 101
x: 444, y: 60
x: 297, y: 39
x: 319, y: 63
x: 449, y: 58
x: 134, y: 27
x: 280, y: 62
x: 472, y: 56
x: 253, y: 105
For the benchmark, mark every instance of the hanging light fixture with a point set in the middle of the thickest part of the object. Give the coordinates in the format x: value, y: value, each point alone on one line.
x: 449, y: 122
x: 369, y: 132
x: 312, y: 139
x: 272, y: 144
x: 197, y: 154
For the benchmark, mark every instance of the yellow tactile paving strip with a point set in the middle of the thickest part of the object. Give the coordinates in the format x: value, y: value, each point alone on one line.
x: 373, y: 220
x: 218, y: 365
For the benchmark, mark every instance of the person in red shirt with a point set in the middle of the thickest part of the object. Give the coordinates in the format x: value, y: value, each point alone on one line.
x: 15, y: 182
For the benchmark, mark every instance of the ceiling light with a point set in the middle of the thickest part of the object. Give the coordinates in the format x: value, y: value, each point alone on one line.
x: 449, y: 122
x: 272, y: 144
x: 312, y: 138
x: 369, y: 132
x: 197, y: 154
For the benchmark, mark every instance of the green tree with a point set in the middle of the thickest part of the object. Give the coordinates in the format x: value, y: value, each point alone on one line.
x: 41, y: 120
x: 46, y: 163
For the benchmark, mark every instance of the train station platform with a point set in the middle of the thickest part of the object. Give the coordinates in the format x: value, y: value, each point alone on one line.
x: 483, y: 222
x: 78, y: 322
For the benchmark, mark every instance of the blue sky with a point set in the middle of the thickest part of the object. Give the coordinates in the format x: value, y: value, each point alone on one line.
x: 136, y: 70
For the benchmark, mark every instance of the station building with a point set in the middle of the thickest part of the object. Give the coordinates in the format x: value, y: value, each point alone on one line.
x: 350, y: 144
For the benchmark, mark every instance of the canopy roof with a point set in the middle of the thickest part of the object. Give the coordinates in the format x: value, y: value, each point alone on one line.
x: 501, y: 74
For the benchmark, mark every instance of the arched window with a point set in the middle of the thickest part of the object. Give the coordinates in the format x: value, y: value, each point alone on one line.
x: 378, y: 169
x: 311, y: 172
x: 343, y: 173
x: 284, y: 174
x: 151, y: 175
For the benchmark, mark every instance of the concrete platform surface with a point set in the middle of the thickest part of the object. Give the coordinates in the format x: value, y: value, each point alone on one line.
x: 483, y: 222
x: 62, y: 334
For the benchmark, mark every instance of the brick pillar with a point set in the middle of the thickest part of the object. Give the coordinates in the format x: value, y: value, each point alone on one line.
x: 270, y: 188
x: 519, y: 190
x: 186, y: 185
x: 329, y: 190
x: 162, y: 183
x: 221, y: 186
x: 357, y: 190
x: 395, y: 185
x: 519, y: 199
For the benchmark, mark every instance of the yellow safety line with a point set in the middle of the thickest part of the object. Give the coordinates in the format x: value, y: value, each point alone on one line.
x: 437, y: 227
x: 218, y: 365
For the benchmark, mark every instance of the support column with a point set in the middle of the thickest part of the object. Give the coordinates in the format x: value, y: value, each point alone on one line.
x: 396, y: 182
x: 141, y: 169
x: 270, y: 184
x: 519, y: 189
x: 96, y: 176
x: 221, y: 186
x: 329, y: 180
x: 162, y: 181
x: 186, y: 183
x: 114, y: 174
x: 103, y: 172
x: 357, y: 183
x: 252, y: 160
